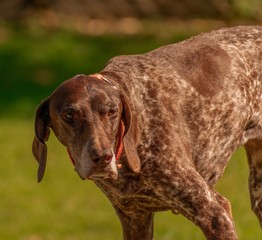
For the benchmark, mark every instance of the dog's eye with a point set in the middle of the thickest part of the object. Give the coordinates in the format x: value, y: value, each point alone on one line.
x: 69, y: 116
x: 107, y: 111
x: 111, y: 112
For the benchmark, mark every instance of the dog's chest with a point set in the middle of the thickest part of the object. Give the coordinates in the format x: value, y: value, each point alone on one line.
x: 133, y: 192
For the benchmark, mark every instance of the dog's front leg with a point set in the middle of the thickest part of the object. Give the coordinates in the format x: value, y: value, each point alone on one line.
x: 136, y: 224
x: 184, y: 190
x: 254, y: 153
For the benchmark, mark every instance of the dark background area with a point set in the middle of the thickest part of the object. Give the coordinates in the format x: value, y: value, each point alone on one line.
x: 44, y: 42
x: 227, y: 9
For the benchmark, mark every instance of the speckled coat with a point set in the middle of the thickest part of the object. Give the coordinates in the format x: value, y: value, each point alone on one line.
x: 192, y: 105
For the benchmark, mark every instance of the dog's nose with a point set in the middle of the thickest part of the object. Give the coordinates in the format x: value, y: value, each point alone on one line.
x: 103, y: 157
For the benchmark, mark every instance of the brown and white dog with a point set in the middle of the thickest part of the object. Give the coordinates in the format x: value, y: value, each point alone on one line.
x: 155, y: 131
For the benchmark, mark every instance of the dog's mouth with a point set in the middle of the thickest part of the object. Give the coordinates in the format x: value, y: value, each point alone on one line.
x: 94, y: 172
x: 110, y: 171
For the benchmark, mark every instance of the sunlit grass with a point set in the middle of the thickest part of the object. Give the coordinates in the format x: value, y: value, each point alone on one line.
x: 61, y: 207
x: 65, y: 207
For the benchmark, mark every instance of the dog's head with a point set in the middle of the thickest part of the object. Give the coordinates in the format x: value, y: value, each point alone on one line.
x: 93, y: 120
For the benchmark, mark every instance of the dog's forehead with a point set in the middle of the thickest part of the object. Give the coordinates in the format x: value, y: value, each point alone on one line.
x: 73, y: 85
x: 70, y: 90
x: 82, y: 89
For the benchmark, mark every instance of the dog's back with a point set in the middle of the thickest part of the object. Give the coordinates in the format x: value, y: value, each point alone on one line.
x: 212, y: 81
x: 205, y: 92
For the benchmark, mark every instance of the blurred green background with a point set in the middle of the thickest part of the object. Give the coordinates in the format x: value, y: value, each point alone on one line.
x: 43, y: 43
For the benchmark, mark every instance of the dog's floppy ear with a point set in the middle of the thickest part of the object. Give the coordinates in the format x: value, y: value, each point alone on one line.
x: 42, y: 130
x: 131, y: 137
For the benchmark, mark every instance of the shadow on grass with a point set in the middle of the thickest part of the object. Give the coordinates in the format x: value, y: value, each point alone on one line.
x: 33, y: 63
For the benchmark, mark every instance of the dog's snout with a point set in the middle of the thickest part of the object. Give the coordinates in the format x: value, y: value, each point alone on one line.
x: 102, y: 157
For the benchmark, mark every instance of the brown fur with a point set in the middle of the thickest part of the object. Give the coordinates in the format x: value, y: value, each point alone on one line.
x: 186, y: 107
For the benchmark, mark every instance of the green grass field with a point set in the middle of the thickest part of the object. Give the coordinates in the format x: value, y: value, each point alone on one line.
x: 65, y: 207
x: 62, y: 206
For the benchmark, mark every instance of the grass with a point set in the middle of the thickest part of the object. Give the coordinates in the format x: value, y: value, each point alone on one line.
x: 32, y: 63
x: 65, y: 207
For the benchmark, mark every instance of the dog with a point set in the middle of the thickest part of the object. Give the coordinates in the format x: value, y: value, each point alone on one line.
x: 155, y: 131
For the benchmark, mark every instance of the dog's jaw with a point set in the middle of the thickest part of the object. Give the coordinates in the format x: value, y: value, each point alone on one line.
x: 91, y: 171
x: 109, y: 172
